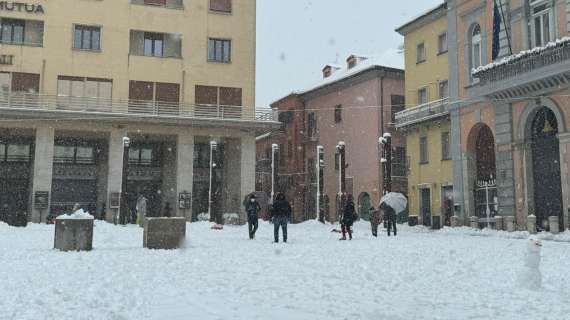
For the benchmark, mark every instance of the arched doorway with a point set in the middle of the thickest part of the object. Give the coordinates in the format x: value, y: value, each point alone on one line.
x: 546, y: 167
x: 485, y: 196
x: 364, y: 206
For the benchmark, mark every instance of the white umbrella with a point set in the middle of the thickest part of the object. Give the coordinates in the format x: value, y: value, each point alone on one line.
x: 396, y: 201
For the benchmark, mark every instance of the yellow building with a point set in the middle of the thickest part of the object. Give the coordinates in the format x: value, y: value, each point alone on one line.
x: 173, y: 76
x: 425, y: 121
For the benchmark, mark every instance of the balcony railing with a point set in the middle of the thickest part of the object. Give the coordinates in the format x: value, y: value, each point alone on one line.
x: 525, y: 62
x: 422, y: 113
x: 169, y: 4
x: 141, y: 108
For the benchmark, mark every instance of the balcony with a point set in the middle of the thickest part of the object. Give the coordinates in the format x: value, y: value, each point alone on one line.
x: 428, y: 111
x: 536, y: 71
x: 63, y: 107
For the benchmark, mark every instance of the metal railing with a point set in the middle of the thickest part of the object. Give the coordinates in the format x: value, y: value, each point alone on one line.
x: 142, y: 108
x: 525, y: 62
x: 422, y: 113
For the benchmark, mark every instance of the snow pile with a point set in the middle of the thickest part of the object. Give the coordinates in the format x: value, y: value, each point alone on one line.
x: 420, y: 274
x: 204, y: 216
x: 523, y: 54
x: 530, y: 276
x: 79, y: 214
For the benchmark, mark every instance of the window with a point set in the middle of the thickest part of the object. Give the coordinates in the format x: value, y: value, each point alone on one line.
x: 542, y: 22
x: 476, y: 50
x: 312, y: 124
x: 19, y: 82
x: 16, y: 153
x: 289, y: 150
x: 423, y: 150
x: 224, y: 6
x: 399, y: 167
x: 219, y: 50
x: 155, y: 2
x: 153, y: 44
x: 13, y: 31
x: 87, y: 38
x: 442, y: 43
x: 336, y: 161
x: 218, y: 96
x: 445, y: 146
x: 74, y: 154
x: 142, y: 156
x: 443, y: 89
x: 166, y: 95
x: 84, y: 87
x: 420, y: 53
x: 311, y: 170
x: 398, y: 104
x: 422, y: 96
x: 338, y: 114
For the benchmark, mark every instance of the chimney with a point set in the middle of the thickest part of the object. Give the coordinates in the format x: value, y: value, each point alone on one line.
x: 353, y: 60
x: 329, y: 69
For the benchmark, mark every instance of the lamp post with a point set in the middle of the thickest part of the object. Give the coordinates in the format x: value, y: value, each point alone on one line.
x: 341, y: 153
x: 124, y: 206
x: 320, y: 165
x: 274, y: 150
x: 213, y: 146
x: 386, y: 143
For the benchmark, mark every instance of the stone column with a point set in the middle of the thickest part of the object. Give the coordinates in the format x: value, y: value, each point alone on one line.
x: 458, y: 187
x: 564, y: 175
x: 115, y: 175
x: 184, y: 171
x: 43, y: 170
x: 247, y: 166
x: 531, y: 224
x: 504, y: 159
x: 510, y: 223
x: 498, y: 222
x: 553, y: 223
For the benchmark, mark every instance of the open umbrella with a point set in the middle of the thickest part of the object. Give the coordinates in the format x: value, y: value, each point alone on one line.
x: 396, y: 201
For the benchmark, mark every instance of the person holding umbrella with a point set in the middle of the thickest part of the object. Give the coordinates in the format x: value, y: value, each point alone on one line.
x: 348, y: 217
x: 391, y: 204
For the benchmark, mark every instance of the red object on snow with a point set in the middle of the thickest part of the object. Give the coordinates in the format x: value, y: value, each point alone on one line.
x: 217, y: 227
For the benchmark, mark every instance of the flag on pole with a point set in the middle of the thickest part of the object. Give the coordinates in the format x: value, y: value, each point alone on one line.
x: 496, y: 30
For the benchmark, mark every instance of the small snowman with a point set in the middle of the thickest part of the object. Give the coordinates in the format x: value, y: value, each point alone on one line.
x: 530, y: 276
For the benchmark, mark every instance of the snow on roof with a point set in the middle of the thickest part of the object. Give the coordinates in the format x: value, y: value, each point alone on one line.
x: 520, y: 55
x: 421, y: 15
x: 388, y: 59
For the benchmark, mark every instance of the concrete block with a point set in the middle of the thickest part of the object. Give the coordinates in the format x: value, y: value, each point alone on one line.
x: 509, y: 222
x: 554, y: 224
x: 455, y: 221
x: 531, y: 224
x: 73, y: 234
x: 498, y: 222
x: 164, y: 233
x: 474, y: 222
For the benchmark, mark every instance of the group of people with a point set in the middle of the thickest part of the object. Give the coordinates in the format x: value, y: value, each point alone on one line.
x: 280, y: 216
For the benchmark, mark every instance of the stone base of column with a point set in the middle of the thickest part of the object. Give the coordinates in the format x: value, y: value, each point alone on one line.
x: 554, y: 224
x: 509, y: 222
x: 455, y: 221
x: 531, y: 224
x: 474, y: 222
x: 498, y: 222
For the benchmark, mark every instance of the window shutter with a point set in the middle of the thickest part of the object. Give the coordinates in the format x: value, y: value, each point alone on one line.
x: 168, y: 92
x: 25, y: 82
x: 140, y: 90
x: 155, y: 2
x: 221, y: 5
x: 230, y: 96
x: 206, y: 95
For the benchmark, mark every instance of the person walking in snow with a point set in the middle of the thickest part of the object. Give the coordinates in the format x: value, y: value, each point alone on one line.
x: 252, y: 208
x: 375, y: 220
x: 141, y: 209
x: 280, y: 215
x: 390, y: 217
x: 348, y: 217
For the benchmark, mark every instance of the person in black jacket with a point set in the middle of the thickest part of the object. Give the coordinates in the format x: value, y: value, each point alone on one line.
x: 390, y: 216
x: 252, y: 208
x: 348, y: 217
x: 280, y: 215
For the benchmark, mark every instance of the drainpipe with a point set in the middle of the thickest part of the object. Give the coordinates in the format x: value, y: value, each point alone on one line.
x: 381, y: 134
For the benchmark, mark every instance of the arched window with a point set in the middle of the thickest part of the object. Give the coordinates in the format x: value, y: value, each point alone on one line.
x: 476, y: 47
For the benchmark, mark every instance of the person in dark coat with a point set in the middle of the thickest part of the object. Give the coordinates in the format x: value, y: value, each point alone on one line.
x: 252, y: 209
x: 280, y: 215
x: 390, y: 216
x: 348, y: 217
x: 375, y: 220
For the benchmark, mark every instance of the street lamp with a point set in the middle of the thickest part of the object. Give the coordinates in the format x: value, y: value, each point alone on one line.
x: 386, y: 143
x: 274, y: 149
x: 124, y: 207
x: 341, y: 151
x: 213, y: 147
x: 320, y: 165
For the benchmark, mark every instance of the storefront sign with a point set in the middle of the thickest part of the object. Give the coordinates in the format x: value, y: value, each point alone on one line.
x: 21, y: 7
x: 7, y: 59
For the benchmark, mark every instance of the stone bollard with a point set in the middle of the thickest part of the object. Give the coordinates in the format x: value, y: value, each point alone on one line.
x: 455, y: 221
x: 164, y: 233
x: 74, y: 233
x: 509, y: 222
x: 498, y: 222
x: 531, y: 224
x: 553, y: 222
x: 474, y: 222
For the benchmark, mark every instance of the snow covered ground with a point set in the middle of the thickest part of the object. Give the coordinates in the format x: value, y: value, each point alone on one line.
x: 448, y: 274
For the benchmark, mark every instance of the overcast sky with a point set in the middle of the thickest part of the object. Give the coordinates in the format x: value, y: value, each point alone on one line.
x: 296, y: 38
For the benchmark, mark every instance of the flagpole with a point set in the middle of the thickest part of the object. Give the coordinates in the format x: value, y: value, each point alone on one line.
x: 506, y: 28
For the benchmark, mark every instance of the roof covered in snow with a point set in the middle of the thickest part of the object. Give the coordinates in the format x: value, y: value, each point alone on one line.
x: 423, y: 18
